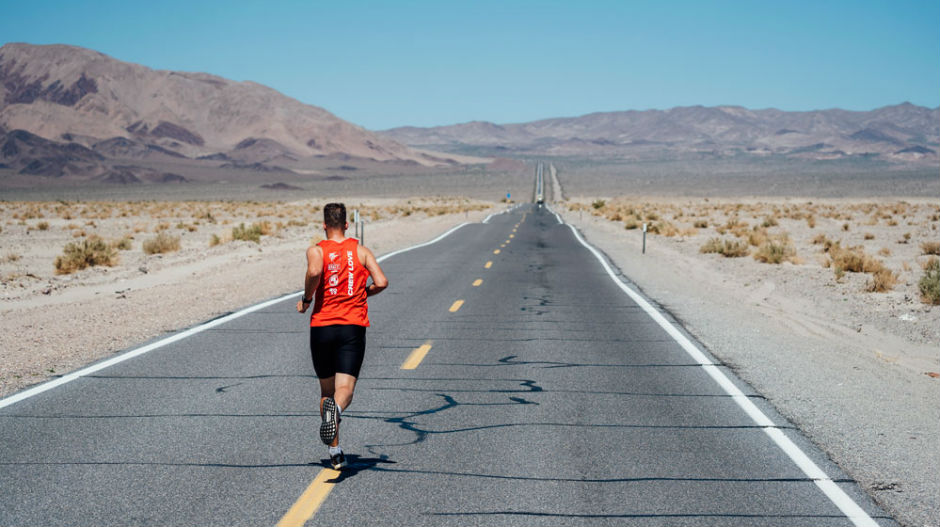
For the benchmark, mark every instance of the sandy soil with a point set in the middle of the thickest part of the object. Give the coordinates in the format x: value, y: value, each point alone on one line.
x: 853, y: 369
x: 53, y: 323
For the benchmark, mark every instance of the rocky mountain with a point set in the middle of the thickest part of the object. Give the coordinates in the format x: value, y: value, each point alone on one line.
x: 66, y: 111
x: 904, y: 133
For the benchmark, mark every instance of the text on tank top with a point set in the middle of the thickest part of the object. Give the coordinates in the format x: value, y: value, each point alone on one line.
x: 341, y: 294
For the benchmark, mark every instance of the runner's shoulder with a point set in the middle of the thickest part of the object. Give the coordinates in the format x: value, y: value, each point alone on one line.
x: 363, y: 253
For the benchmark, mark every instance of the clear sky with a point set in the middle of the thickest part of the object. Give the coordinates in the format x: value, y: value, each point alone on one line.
x: 425, y: 63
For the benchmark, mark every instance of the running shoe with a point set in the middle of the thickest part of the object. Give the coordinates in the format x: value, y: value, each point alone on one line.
x: 330, y: 424
x: 338, y: 461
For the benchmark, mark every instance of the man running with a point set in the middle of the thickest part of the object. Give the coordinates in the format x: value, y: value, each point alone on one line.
x: 337, y: 270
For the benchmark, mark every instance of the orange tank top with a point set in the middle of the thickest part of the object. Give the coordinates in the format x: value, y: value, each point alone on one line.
x: 341, y: 295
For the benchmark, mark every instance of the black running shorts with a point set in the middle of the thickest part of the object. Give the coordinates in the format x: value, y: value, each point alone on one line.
x: 337, y: 349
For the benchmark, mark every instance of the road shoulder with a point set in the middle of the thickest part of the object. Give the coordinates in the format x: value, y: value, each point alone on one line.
x: 879, y: 421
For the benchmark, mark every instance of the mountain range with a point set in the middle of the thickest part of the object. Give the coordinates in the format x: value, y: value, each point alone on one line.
x: 904, y: 134
x: 70, y: 111
x: 75, y: 115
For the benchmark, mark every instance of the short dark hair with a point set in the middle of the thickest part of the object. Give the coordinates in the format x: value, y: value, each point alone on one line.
x: 334, y: 215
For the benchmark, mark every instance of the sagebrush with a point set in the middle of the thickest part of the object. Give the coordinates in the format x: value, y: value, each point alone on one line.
x: 86, y: 253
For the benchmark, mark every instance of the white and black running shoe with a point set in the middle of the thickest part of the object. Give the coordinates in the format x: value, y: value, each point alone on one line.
x: 338, y: 461
x: 330, y: 424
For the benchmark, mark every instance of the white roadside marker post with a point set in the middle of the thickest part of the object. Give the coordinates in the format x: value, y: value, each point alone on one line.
x: 644, y: 238
x: 356, y: 221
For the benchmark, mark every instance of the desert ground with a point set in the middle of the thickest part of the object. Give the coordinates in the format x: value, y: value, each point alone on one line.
x: 850, y: 357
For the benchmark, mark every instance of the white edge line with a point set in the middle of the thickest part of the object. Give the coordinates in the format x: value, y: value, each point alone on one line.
x: 425, y: 244
x: 25, y: 394
x: 557, y: 217
x: 48, y: 385
x: 832, y: 491
x: 504, y: 211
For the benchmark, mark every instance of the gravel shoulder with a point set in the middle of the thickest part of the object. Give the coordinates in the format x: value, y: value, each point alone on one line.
x: 851, y: 369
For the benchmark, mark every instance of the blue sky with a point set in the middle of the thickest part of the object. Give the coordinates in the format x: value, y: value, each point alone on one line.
x: 425, y: 63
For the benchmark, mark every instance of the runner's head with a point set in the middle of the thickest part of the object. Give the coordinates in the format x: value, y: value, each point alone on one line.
x: 334, y: 216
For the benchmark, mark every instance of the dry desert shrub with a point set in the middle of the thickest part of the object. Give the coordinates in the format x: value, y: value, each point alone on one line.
x: 929, y: 284
x: 776, y: 250
x: 43, y: 225
x: 930, y: 248
x: 726, y: 248
x: 853, y: 259
x: 162, y: 243
x: 124, y: 244
x: 700, y: 224
x: 251, y: 233
x: 663, y: 228
x: 882, y: 280
x: 86, y: 253
x: 757, y: 237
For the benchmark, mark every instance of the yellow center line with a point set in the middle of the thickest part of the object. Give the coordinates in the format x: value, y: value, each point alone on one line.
x: 507, y: 241
x: 512, y: 235
x: 477, y: 282
x: 308, y: 502
x: 416, y: 356
x: 496, y: 251
x: 455, y: 306
x: 488, y: 265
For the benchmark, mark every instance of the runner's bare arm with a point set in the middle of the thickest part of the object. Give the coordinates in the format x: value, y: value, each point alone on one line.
x: 379, y: 281
x: 312, y: 277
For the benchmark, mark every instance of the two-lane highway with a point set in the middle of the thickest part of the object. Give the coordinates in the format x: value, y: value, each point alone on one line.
x: 508, y: 381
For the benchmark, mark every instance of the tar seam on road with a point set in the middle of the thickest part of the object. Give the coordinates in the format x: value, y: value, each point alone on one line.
x: 36, y: 390
x: 832, y: 491
x: 416, y: 356
x: 308, y: 502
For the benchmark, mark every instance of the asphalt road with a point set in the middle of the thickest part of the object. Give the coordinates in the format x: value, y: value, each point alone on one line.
x: 547, y: 396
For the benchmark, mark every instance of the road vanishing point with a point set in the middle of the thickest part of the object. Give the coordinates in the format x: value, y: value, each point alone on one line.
x: 512, y: 377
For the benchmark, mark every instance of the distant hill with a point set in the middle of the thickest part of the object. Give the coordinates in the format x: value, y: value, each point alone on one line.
x: 67, y: 111
x: 904, y: 133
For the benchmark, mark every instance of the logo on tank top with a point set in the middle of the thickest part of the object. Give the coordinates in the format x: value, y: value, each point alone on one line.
x: 333, y: 256
x: 334, y: 280
x: 350, y: 289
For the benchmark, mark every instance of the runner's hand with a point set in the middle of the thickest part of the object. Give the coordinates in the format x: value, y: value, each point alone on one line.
x: 301, y: 307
